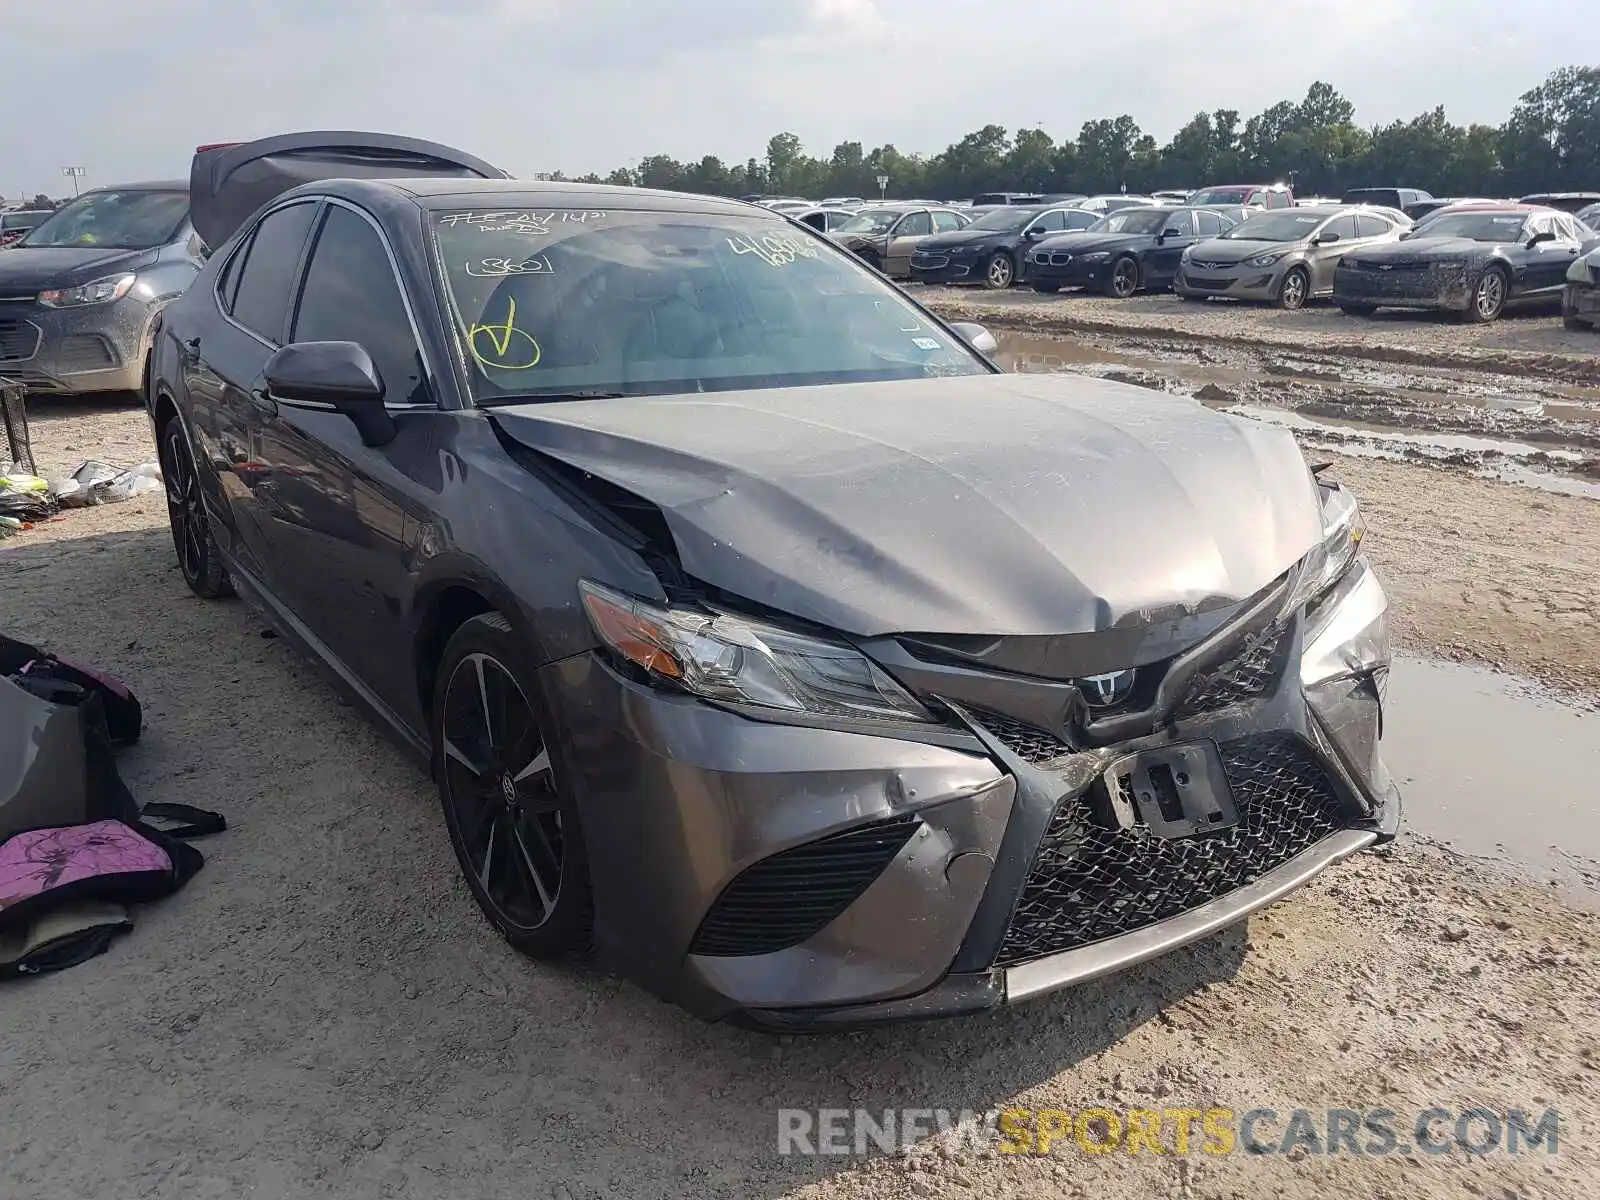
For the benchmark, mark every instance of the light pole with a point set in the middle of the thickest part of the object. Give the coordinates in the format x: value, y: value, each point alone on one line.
x: 74, y: 174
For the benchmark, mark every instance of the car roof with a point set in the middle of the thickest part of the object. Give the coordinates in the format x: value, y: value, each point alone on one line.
x: 158, y: 185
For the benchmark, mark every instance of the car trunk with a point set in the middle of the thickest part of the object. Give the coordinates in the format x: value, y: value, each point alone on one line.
x: 228, y: 183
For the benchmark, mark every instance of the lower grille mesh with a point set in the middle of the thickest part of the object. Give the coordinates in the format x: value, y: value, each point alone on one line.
x: 1027, y: 743
x: 783, y: 900
x: 1089, y: 882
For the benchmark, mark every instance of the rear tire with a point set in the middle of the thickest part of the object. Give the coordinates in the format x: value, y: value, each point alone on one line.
x: 515, y: 830
x: 199, y: 560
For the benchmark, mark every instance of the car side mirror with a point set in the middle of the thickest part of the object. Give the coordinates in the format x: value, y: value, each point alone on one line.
x: 339, y: 374
x: 1546, y: 236
x: 1170, y: 233
x: 976, y: 336
x: 1033, y: 231
x: 1324, y: 239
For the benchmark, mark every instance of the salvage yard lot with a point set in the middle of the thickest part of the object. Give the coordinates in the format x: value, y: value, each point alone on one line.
x: 322, y: 1010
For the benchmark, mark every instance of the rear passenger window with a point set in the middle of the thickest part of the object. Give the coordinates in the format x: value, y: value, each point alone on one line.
x: 261, y: 294
x: 351, y: 294
x: 1369, y: 226
x: 1210, y: 224
x: 228, y: 284
x: 946, y: 222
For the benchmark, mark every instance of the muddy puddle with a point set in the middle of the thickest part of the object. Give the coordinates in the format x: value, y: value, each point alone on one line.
x: 1532, y: 433
x: 1497, y: 768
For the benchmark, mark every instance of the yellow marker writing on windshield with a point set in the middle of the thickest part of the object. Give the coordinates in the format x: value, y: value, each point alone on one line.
x: 513, y: 349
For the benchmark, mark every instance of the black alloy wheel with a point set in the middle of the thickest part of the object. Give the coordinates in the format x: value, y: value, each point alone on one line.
x: 1124, y: 280
x: 1000, y: 271
x: 198, y: 557
x: 515, y: 834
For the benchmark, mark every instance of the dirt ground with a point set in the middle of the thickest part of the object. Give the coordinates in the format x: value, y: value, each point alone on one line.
x: 321, y: 1012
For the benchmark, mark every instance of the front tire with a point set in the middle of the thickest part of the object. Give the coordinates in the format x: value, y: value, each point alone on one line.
x: 1294, y: 290
x: 198, y: 557
x: 1488, y: 297
x: 1000, y: 272
x: 514, y: 829
x: 1124, y: 279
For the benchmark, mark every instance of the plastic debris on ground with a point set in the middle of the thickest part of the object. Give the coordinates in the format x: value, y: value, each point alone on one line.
x: 26, y: 498
x: 97, y: 483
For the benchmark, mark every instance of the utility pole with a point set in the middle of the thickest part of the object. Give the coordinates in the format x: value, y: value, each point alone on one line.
x: 74, y: 174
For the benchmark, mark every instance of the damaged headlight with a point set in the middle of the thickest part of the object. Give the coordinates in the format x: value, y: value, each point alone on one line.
x: 739, y: 661
x: 1347, y: 632
x: 1342, y: 530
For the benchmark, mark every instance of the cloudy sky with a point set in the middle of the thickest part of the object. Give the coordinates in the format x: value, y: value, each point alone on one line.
x: 127, y: 88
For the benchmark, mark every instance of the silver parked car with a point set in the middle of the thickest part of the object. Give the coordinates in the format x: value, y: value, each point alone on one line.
x: 1285, y: 257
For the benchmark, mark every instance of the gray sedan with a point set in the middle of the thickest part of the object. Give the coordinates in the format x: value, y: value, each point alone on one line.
x: 1285, y: 257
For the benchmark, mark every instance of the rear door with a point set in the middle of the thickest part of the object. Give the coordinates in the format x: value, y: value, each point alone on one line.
x: 223, y: 369
x: 338, y: 510
x: 1549, y: 262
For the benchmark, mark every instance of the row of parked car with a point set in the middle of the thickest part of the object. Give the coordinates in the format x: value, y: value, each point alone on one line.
x: 1248, y: 242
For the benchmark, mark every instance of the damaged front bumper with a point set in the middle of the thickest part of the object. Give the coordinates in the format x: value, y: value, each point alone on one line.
x: 1404, y: 285
x: 801, y: 877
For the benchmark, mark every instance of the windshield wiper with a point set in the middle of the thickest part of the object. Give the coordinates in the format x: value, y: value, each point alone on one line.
x: 557, y: 397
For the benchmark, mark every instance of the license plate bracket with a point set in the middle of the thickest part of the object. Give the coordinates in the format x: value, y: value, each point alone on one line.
x: 1176, y: 791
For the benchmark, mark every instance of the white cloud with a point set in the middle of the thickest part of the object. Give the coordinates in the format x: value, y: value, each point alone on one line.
x: 546, y: 84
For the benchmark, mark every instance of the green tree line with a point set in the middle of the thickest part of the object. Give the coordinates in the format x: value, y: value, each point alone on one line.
x: 1550, y: 142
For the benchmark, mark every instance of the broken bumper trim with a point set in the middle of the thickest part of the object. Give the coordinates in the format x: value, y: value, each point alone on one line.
x: 1129, y: 949
x: 959, y: 994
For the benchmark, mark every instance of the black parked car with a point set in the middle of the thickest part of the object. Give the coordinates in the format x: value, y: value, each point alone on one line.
x: 993, y: 249
x: 1473, y: 260
x: 1130, y: 250
x: 657, y: 525
x: 1402, y: 198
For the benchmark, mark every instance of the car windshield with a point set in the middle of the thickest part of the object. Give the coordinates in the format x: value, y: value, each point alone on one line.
x: 591, y: 304
x: 1133, y: 220
x: 1479, y: 226
x: 134, y: 220
x: 873, y: 220
x: 1288, y: 226
x: 1005, y: 219
x: 1222, y: 195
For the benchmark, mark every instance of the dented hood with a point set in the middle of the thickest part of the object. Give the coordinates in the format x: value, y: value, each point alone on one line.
x: 996, y: 504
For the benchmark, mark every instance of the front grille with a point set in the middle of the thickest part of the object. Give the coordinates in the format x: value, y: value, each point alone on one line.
x: 1089, y: 882
x: 1060, y: 260
x: 1030, y: 744
x: 783, y: 900
x: 930, y: 261
x: 1207, y: 283
x: 1248, y: 675
x: 18, y: 339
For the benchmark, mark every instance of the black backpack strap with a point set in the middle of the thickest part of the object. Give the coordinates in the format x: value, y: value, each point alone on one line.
x: 191, y: 822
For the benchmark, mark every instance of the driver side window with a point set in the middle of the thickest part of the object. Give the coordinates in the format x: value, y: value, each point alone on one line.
x: 350, y: 294
x: 1050, y: 222
x: 913, y: 225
